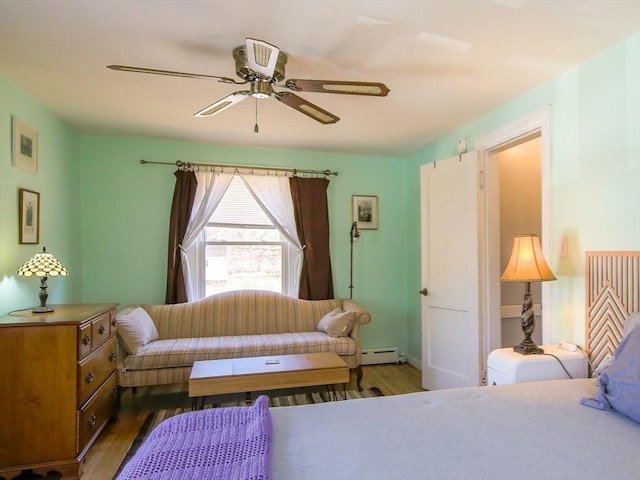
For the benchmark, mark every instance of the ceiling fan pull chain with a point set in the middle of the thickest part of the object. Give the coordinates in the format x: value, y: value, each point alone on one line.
x: 256, y: 129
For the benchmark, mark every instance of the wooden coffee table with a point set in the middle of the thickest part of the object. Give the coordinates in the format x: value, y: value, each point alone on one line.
x: 252, y: 374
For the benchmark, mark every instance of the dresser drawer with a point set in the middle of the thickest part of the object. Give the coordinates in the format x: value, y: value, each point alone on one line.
x: 100, y: 330
x: 94, y: 415
x: 94, y: 370
x: 84, y: 340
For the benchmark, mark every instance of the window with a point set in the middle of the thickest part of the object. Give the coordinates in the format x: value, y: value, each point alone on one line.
x: 242, y: 247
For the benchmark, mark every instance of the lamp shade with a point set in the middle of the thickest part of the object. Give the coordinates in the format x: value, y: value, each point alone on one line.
x: 527, y: 264
x: 42, y: 264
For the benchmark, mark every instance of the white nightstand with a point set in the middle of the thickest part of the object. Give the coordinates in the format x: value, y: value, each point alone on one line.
x: 506, y: 366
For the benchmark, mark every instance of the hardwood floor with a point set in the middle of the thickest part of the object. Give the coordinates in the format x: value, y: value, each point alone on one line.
x: 110, y: 448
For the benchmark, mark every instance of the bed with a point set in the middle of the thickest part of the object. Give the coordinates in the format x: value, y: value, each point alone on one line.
x: 528, y: 430
x: 546, y: 430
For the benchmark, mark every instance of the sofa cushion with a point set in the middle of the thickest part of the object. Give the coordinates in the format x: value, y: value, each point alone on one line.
x: 136, y: 329
x: 337, y: 323
x: 184, y: 351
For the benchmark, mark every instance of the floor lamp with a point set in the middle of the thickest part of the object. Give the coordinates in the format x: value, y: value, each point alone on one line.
x: 527, y: 264
x: 354, y: 235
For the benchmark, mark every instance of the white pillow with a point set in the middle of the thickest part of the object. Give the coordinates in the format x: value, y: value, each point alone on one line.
x: 337, y: 323
x: 136, y: 329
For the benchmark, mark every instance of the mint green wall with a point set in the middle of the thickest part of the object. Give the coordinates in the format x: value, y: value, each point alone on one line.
x: 125, y: 219
x: 106, y: 217
x: 58, y: 184
x: 595, y: 174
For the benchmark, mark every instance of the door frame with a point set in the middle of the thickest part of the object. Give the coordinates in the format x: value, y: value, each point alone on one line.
x: 533, y: 124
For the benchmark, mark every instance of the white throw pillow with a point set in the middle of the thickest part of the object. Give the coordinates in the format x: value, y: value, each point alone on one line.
x: 136, y: 329
x: 337, y: 323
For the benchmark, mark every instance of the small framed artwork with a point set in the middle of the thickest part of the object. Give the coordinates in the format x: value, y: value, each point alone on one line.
x: 365, y: 211
x: 29, y: 202
x: 25, y: 146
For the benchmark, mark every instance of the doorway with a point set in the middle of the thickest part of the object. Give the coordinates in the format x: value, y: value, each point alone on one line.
x: 516, y: 160
x: 520, y: 203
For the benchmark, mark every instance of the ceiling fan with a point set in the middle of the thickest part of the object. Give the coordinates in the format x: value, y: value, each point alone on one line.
x: 262, y: 66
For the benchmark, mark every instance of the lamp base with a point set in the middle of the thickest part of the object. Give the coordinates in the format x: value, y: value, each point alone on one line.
x: 528, y: 321
x: 41, y: 309
x: 528, y: 348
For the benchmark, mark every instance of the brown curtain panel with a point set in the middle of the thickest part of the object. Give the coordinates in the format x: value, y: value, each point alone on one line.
x: 183, y: 195
x: 312, y: 223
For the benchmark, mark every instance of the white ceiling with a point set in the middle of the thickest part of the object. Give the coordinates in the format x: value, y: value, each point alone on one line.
x: 446, y: 62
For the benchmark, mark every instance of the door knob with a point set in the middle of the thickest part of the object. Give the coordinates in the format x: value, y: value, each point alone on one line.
x: 424, y: 292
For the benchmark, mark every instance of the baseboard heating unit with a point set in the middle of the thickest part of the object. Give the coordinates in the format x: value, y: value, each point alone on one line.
x: 374, y: 356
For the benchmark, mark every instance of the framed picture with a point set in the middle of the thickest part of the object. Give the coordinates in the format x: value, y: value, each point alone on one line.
x: 25, y: 146
x: 365, y: 211
x: 29, y: 202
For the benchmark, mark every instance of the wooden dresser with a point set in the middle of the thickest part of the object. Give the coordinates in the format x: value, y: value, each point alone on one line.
x: 58, y: 387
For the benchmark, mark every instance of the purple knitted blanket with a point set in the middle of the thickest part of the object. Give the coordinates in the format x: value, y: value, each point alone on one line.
x: 216, y: 443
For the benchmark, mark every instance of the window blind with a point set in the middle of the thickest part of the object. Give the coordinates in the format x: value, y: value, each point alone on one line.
x: 238, y: 207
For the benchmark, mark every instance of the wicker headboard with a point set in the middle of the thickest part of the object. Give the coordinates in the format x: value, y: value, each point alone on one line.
x: 612, y: 293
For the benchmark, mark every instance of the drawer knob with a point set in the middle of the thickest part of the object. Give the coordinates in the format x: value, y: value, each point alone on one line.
x: 89, y: 378
x: 101, y: 330
x: 112, y: 356
x: 114, y: 322
x: 92, y: 420
x: 86, y: 340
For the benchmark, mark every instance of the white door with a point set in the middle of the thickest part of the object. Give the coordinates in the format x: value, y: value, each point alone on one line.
x: 451, y: 314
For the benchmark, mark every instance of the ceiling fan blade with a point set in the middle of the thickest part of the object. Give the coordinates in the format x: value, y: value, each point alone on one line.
x: 305, y: 107
x: 262, y: 57
x: 374, y: 89
x: 125, y: 68
x: 222, y: 104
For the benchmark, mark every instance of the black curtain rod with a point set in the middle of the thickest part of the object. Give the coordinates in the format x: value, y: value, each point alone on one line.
x: 295, y: 171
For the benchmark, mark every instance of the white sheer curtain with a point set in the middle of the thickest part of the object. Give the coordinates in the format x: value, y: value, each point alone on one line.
x: 273, y: 194
x: 210, y: 190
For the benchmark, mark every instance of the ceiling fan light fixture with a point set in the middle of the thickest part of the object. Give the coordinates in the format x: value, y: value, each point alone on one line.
x: 261, y: 89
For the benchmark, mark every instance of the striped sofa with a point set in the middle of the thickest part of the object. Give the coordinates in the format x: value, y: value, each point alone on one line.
x: 246, y: 323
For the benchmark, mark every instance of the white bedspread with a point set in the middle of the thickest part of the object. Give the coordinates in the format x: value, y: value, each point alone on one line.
x: 534, y: 430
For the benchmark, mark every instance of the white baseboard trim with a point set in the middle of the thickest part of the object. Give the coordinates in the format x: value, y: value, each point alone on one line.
x: 415, y: 361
